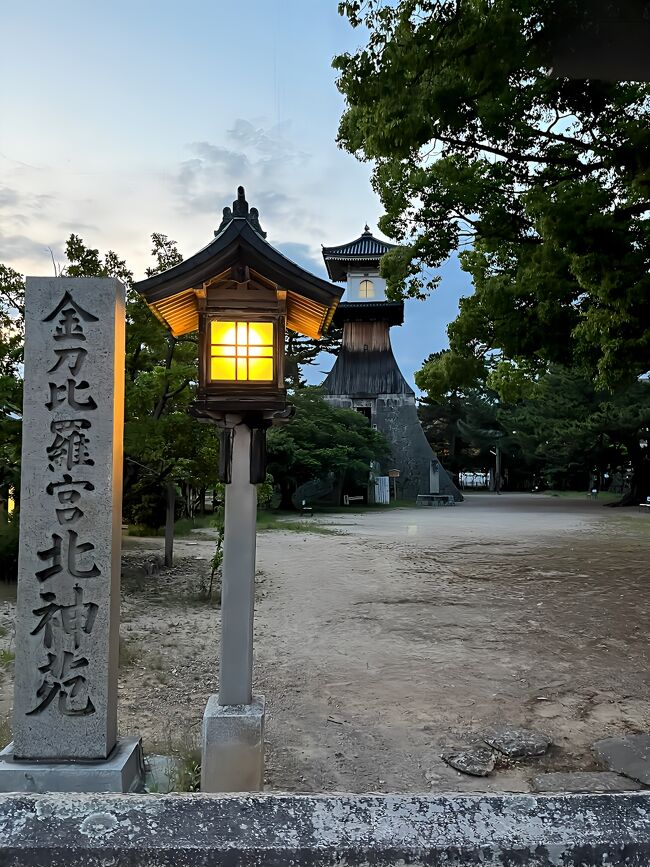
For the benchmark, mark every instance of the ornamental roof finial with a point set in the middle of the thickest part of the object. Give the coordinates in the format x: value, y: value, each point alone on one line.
x: 240, y: 209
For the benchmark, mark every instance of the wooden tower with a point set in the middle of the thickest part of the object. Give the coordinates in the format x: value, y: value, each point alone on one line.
x: 366, y: 376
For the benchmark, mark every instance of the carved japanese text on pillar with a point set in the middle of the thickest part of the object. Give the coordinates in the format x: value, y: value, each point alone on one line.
x: 65, y: 615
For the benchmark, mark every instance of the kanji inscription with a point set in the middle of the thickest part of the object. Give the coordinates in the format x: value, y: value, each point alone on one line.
x: 66, y: 666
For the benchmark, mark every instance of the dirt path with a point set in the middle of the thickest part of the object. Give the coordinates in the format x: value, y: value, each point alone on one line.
x: 407, y: 632
x: 423, y: 626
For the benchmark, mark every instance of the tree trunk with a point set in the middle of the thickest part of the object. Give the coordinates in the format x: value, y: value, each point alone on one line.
x: 169, y: 523
x: 4, y: 505
x: 640, y: 486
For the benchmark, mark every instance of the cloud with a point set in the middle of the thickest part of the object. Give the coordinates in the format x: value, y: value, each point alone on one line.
x: 200, y: 179
x: 303, y: 255
x: 231, y: 161
x: 77, y: 226
x: 8, y: 197
x: 16, y: 247
x: 18, y: 219
x: 272, y: 203
x: 32, y: 207
x: 264, y: 160
x: 274, y: 142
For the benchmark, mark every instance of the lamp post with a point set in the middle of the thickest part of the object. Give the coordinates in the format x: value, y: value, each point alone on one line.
x: 241, y: 389
x: 241, y: 295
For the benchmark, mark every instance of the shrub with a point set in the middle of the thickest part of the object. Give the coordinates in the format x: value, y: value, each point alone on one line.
x: 9, y: 551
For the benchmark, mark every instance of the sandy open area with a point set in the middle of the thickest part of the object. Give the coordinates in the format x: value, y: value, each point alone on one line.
x: 407, y: 631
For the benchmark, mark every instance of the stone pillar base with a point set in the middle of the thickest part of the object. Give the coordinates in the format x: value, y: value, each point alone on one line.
x: 122, y: 771
x: 233, y: 746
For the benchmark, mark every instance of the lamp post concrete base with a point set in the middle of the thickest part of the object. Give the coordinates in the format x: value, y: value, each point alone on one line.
x: 122, y: 771
x: 233, y: 746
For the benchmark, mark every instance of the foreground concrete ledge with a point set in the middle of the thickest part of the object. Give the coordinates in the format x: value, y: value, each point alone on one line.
x: 455, y: 831
x: 122, y: 771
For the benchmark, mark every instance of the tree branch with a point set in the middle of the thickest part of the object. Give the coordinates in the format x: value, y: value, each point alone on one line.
x: 516, y: 157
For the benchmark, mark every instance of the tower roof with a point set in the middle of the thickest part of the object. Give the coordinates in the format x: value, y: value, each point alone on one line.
x: 365, y: 374
x: 364, y: 250
x: 370, y: 311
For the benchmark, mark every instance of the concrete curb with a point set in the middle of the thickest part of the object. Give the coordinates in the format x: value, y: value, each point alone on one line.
x: 455, y: 831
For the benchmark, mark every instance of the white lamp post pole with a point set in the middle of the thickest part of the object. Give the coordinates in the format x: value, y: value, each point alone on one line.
x: 238, y: 581
x: 233, y: 723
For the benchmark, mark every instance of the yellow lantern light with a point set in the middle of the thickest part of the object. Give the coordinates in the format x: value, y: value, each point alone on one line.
x: 241, y: 351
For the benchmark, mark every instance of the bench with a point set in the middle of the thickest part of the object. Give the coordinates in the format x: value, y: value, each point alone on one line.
x: 306, y: 511
x: 347, y: 499
x: 435, y: 500
x: 643, y: 506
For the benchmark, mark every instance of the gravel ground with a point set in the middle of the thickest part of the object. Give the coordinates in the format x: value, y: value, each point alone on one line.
x: 403, y: 633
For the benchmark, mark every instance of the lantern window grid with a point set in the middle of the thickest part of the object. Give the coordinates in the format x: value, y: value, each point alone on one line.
x: 241, y: 351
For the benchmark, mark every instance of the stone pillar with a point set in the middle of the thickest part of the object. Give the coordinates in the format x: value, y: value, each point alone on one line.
x: 238, y: 584
x: 233, y: 723
x: 67, y: 629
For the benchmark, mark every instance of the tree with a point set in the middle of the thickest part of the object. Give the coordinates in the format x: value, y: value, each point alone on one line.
x: 558, y: 424
x: 545, y: 182
x: 462, y: 419
x: 301, y: 351
x: 12, y: 292
x: 320, y: 440
x: 162, y: 444
x: 575, y: 431
x: 164, y: 447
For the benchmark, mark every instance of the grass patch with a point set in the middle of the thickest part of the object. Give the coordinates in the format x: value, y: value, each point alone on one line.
x: 6, y: 658
x: 130, y: 652
x: 140, y: 530
x: 184, y: 526
x: 364, y: 507
x: 5, y: 731
x: 187, y: 776
x: 275, y: 521
x: 267, y: 520
x: 603, y: 496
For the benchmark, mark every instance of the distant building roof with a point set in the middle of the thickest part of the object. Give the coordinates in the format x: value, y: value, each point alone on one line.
x: 369, y: 311
x: 365, y: 250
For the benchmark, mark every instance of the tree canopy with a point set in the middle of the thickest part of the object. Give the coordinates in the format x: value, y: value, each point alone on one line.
x: 162, y: 443
x: 321, y: 440
x: 572, y: 431
x: 11, y: 355
x: 542, y: 183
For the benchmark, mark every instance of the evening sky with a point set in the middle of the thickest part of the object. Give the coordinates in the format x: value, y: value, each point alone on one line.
x: 124, y: 118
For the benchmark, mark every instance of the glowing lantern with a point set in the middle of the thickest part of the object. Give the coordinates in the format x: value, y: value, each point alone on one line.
x: 241, y: 295
x: 241, y: 351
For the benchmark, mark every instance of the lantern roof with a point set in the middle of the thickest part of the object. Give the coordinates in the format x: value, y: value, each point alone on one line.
x: 239, y: 242
x: 366, y: 250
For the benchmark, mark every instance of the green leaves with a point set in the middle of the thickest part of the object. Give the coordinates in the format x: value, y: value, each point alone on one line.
x: 12, y: 295
x: 544, y: 183
x: 320, y: 440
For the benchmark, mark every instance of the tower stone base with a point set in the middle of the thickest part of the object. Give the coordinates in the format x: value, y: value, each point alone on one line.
x: 396, y: 417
